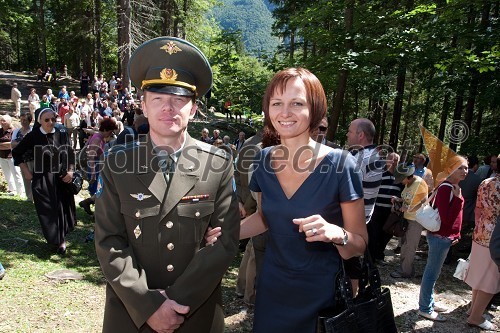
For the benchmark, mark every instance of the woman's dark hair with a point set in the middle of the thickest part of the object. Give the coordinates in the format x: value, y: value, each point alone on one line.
x: 28, y: 116
x: 315, y: 93
x: 107, y: 124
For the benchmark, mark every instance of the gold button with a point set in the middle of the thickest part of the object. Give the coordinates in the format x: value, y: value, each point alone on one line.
x: 170, y: 246
x: 137, y: 214
x: 197, y: 214
x: 170, y: 268
x: 169, y: 224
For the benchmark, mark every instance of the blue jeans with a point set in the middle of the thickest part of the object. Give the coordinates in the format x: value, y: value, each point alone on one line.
x: 438, y: 250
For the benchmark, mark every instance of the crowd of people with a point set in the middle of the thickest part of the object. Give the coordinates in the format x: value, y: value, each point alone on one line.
x: 170, y: 211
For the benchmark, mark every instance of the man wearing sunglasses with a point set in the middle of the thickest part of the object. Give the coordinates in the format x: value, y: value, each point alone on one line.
x: 423, y: 172
x: 319, y: 135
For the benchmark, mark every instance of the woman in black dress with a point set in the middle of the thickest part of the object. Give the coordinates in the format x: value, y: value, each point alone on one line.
x: 53, y: 172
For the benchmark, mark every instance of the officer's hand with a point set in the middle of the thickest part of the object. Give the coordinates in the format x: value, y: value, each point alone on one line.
x: 168, y: 317
x: 212, y: 234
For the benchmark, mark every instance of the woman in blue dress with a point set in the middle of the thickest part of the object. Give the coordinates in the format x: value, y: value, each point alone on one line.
x: 310, y: 200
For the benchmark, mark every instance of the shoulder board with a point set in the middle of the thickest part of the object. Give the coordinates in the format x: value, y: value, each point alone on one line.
x: 124, y: 147
x: 212, y: 150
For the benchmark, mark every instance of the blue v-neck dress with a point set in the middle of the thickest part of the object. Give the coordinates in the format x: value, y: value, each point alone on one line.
x: 297, y: 279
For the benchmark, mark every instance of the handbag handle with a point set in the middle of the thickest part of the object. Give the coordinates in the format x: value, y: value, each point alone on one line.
x: 343, y: 292
x: 370, y: 276
x: 370, y: 280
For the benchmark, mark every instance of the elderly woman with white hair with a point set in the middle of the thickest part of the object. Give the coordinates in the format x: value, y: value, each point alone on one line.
x: 11, y: 173
x: 51, y: 177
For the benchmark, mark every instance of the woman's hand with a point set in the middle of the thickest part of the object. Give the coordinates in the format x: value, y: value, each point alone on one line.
x: 212, y: 234
x: 316, y: 229
x: 68, y: 177
x: 28, y: 175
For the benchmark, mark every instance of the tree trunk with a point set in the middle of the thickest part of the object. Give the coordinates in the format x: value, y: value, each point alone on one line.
x: 471, y: 100
x: 344, y: 74
x: 376, y: 119
x: 98, y: 42
x: 18, y: 48
x: 398, y: 107
x: 408, y: 113
x: 185, y: 9
x: 444, y: 115
x: 382, y: 125
x: 426, y: 115
x: 479, y: 120
x: 41, y: 53
x: 292, y: 44
x: 305, y: 49
x: 457, y: 115
x: 124, y: 10
x: 167, y: 7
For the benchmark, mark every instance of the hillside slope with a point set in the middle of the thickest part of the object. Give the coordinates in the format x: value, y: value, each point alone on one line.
x: 253, y: 19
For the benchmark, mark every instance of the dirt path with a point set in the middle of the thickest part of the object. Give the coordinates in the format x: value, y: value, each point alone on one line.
x: 25, y: 82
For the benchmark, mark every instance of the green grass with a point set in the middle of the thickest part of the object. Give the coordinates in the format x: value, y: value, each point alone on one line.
x: 31, y: 302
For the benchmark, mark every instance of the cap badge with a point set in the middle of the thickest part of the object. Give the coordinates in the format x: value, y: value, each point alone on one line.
x: 168, y: 74
x: 171, y: 48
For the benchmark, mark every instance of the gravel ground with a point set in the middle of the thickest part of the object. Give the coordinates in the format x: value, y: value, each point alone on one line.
x: 450, y: 292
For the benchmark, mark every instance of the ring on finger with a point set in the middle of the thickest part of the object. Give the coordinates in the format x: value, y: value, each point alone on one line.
x: 314, y: 231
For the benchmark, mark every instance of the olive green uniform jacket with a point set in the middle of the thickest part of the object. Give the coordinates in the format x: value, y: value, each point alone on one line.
x: 149, y: 236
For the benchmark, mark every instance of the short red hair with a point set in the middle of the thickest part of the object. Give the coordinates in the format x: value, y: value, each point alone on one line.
x: 315, y: 93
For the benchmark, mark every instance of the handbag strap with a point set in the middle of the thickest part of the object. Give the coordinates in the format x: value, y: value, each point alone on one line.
x: 436, y: 191
x: 370, y: 277
x: 343, y: 291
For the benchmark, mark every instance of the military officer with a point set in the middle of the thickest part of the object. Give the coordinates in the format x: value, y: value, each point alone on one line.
x: 156, y: 198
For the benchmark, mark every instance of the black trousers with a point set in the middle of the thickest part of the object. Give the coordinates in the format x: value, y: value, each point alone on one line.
x: 377, y: 237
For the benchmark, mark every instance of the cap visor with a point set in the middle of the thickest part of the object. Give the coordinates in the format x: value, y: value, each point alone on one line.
x: 172, y: 90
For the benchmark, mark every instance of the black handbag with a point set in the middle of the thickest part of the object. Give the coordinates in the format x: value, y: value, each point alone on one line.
x: 370, y: 312
x: 76, y: 182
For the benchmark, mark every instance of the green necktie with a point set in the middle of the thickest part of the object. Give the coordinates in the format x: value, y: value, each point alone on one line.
x: 168, y: 167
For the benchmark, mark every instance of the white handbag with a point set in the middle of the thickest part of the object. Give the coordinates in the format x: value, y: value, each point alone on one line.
x: 462, y: 268
x: 427, y: 215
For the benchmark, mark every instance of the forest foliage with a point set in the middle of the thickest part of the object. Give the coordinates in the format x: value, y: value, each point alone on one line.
x: 399, y: 63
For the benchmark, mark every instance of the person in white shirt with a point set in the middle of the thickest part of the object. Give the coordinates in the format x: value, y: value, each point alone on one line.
x: 15, y: 96
x: 33, y: 101
x: 71, y: 122
x: 112, y: 84
x: 17, y: 136
x: 86, y: 110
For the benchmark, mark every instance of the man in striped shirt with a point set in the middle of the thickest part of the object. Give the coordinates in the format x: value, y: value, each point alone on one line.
x: 369, y: 164
x: 360, y: 140
x: 388, y: 189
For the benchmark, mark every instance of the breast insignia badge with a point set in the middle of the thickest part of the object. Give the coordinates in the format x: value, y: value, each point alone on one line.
x: 140, y: 196
x: 137, y: 232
